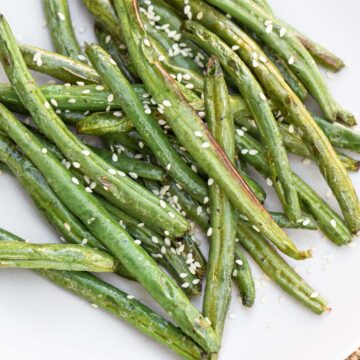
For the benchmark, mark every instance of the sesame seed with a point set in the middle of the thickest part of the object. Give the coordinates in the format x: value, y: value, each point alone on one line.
x: 154, y: 239
x: 198, y: 133
x: 196, y: 281
x: 333, y: 223
x: 263, y: 59
x: 94, y: 306
x: 231, y: 316
x: 61, y: 16
x: 75, y: 181
x: 44, y: 150
x: 244, y: 151
x: 130, y: 297
x: 239, y: 262
x: 172, y: 215
x: 99, y: 87
x: 72, y: 101
x: 291, y: 60
x: 255, y: 63
x: 256, y: 228
x: 262, y: 96
x: 183, y: 275
x: 47, y: 105
x: 291, y: 129
x: 133, y: 175
x: 80, y: 83
x: 146, y: 42
x: 235, y: 272
x: 253, y: 152
x: 117, y: 113
x: 167, y: 103
x: 163, y: 204
x: 88, y: 189
x: 110, y: 98
x: 185, y: 285
x: 54, y: 102
x: 306, y: 221
x: 210, y: 181
x: 240, y: 132
x: 269, y: 28
x: 86, y: 91
x: 269, y: 182
x: 85, y: 152
x: 209, y: 232
x: 121, y: 173
x: 306, y: 161
x: 112, y: 171
x: 107, y: 39
x: 168, y: 166
x: 282, y: 32
x: 206, y: 200
x: 84, y: 241
x: 314, y: 295
x: 205, y: 145
x: 67, y: 227
x: 167, y: 241
x: 198, y: 210
x: 199, y: 15
x: 235, y: 47
x: 114, y: 157
x: 137, y: 242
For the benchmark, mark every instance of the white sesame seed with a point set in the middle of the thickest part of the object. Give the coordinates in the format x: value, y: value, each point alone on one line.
x: 198, y: 210
x: 244, y: 151
x: 206, y: 200
x: 84, y: 241
x: 121, y: 173
x: 75, y: 181
x: 67, y: 227
x: 107, y: 39
x: 291, y: 129
x: 306, y: 221
x: 146, y: 42
x: 306, y: 161
x: 163, y: 204
x: 235, y: 47
x: 99, y: 87
x: 209, y: 232
x: 255, y: 64
x: 167, y: 103
x: 61, y: 16
x: 88, y: 189
x: 282, y: 32
x: 205, y: 145
x: 333, y: 223
x: 117, y: 113
x: 110, y: 98
x: 94, y: 306
x: 76, y: 165
x: 240, y: 132
x: 114, y: 157
x: 262, y: 96
x: 54, y: 102
x: 199, y: 15
x: 210, y: 181
x: 239, y: 262
x: 130, y: 297
x: 256, y: 228
x: 231, y: 316
x: 47, y: 105
x: 183, y: 275
x: 137, y: 242
x: 263, y: 59
x: 269, y: 28
x: 291, y: 60
x: 168, y: 166
x: 72, y: 101
x: 253, y: 152
x: 85, y: 152
x: 314, y: 295
x: 172, y: 215
x: 269, y: 182
x: 185, y: 285
x: 86, y: 91
x: 133, y: 175
x: 44, y: 150
x: 112, y: 171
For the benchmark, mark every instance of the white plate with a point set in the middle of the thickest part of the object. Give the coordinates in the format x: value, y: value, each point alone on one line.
x: 40, y: 321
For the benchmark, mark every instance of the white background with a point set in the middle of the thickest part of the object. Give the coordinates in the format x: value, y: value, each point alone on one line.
x: 40, y: 321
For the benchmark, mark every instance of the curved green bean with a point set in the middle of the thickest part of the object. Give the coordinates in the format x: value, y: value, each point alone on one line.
x: 61, y: 29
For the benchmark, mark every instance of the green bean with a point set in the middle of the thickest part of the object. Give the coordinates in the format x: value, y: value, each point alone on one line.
x: 121, y: 305
x: 117, y: 51
x: 61, y: 30
x: 327, y: 220
x: 278, y: 270
x: 294, y: 144
x: 277, y: 89
x: 103, y: 123
x: 147, y: 126
x: 289, y: 76
x: 256, y: 102
x: 243, y: 278
x: 305, y: 223
x: 104, y: 12
x: 290, y: 49
x: 127, y: 193
x: 162, y: 288
x: 59, y: 66
x: 186, y: 124
x: 222, y: 229
x: 129, y: 165
x: 54, y: 256
x: 339, y: 135
x: 321, y: 55
x: 164, y: 252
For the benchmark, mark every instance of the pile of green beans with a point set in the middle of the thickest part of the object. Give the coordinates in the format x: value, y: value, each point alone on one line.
x: 185, y: 99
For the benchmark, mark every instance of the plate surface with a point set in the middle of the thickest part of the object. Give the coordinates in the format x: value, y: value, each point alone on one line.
x: 40, y: 321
